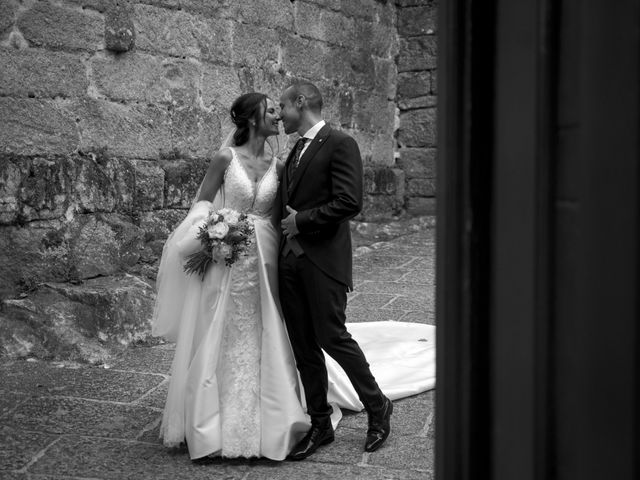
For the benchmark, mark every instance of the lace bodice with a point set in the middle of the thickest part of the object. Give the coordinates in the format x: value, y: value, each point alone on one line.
x: 243, y: 195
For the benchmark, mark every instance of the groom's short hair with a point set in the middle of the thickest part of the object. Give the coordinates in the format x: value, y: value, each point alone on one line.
x: 311, y: 94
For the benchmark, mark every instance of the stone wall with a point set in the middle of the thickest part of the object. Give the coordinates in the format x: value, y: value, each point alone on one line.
x: 110, y: 110
x: 416, y: 99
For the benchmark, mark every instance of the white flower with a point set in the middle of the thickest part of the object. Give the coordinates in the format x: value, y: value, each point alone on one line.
x: 219, y: 230
x: 225, y: 250
x: 232, y: 218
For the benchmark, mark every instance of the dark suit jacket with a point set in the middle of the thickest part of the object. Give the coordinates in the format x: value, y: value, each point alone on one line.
x: 326, y: 191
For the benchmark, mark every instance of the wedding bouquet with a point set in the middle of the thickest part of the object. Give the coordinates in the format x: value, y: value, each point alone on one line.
x: 225, y: 236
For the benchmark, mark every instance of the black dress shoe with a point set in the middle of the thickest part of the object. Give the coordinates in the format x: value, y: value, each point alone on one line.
x: 379, y: 427
x: 318, y: 435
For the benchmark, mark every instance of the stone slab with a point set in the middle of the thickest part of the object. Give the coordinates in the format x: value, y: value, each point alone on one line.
x: 404, y: 452
x: 366, y: 271
x: 316, y: 470
x: 111, y: 459
x: 418, y: 277
x: 44, y: 378
x: 41, y: 73
x: 128, y: 130
x: 364, y: 314
x: 59, y: 27
x: 9, y: 401
x: 370, y: 300
x: 155, y: 359
x: 33, y: 126
x: 19, y: 447
x: 422, y: 316
x: 58, y: 415
x: 181, y: 34
x: 397, y: 288
x: 155, y: 398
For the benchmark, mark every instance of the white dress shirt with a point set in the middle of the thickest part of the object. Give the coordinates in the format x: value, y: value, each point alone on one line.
x: 311, y: 134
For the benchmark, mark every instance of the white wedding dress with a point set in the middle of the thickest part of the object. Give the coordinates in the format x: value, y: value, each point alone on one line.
x: 234, y: 389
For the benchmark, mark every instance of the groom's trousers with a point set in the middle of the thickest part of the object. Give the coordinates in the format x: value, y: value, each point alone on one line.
x: 314, y: 305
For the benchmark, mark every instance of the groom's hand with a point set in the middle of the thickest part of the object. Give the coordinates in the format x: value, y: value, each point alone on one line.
x: 288, y: 224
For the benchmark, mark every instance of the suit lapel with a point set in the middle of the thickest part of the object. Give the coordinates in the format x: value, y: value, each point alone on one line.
x: 316, y: 144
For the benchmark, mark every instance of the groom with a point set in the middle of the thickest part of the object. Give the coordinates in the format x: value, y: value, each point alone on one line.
x: 321, y: 189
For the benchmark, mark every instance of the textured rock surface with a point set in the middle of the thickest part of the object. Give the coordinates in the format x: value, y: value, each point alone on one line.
x: 111, y: 111
x: 86, y: 322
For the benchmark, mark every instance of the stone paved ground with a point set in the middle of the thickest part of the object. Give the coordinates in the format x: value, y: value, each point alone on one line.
x: 62, y: 421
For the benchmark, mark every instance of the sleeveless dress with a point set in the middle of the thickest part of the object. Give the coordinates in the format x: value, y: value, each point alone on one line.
x: 234, y: 389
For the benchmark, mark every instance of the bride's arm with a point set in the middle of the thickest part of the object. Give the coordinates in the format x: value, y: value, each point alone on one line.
x: 215, y: 175
x: 186, y: 239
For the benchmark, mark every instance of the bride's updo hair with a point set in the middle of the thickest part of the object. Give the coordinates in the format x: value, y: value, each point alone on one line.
x: 244, y: 109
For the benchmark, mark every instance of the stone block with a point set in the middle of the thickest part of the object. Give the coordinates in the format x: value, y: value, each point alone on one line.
x: 41, y: 73
x: 417, y: 53
x: 181, y: 34
x: 375, y: 149
x: 135, y: 131
x: 265, y: 13
x: 330, y: 4
x: 345, y: 66
x: 84, y: 322
x: 158, y: 224
x: 34, y: 127
x: 103, y: 244
x: 417, y: 128
x: 414, y: 84
x: 53, y: 188
x: 8, y: 9
x: 305, y: 58
x: 102, y: 184
x: 60, y: 27
x: 375, y: 11
x: 418, y: 162
x: 182, y: 179
x: 425, y: 101
x: 421, y: 187
x: 376, y: 39
x: 119, y: 31
x: 374, y: 112
x: 217, y: 9
x: 97, y: 5
x: 434, y: 82
x: 386, y: 77
x: 195, y: 133
x: 141, y: 77
x: 418, y: 20
x: 416, y: 3
x: 326, y: 25
x: 384, y: 181
x: 377, y: 207
x: 44, y: 188
x: 149, y: 185
x: 421, y: 206
x: 22, y: 262
x: 19, y: 448
x: 92, y: 245
x: 255, y: 45
x: 47, y: 379
x: 82, y: 417
x: 11, y: 175
x: 220, y: 86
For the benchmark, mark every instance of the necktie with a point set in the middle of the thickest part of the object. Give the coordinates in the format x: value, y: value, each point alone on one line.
x: 296, y: 157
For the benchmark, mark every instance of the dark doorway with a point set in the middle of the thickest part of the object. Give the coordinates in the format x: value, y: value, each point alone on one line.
x: 538, y: 240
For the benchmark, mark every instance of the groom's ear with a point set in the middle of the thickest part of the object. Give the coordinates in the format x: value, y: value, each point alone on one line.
x: 300, y: 101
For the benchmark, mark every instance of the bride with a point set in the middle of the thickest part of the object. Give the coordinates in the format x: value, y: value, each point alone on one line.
x: 234, y: 389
